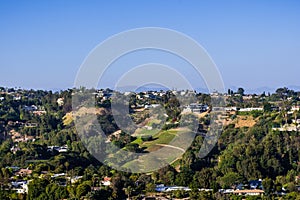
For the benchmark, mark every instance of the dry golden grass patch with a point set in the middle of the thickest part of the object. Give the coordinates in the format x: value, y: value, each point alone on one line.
x: 244, y: 121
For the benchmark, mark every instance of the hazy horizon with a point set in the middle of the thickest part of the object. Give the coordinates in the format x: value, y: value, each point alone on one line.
x: 257, y: 91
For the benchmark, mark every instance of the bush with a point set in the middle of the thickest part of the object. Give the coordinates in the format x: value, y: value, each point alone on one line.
x: 146, y: 138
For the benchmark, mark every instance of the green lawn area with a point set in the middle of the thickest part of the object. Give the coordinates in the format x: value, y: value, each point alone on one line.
x: 138, y: 141
x: 143, y: 132
x: 163, y: 137
x: 153, y: 121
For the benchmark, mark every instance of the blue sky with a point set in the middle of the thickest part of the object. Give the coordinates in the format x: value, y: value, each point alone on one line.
x: 253, y: 43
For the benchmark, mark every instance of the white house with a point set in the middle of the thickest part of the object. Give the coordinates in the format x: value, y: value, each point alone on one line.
x: 250, y: 109
x: 255, y: 192
x: 106, y: 181
x: 295, y: 108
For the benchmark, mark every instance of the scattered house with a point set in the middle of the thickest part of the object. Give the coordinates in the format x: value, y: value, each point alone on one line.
x: 39, y: 112
x: 30, y: 108
x: 255, y: 184
x: 230, y: 109
x: 2, y: 98
x: 287, y: 127
x: 75, y: 179
x: 149, y: 198
x: 151, y: 106
x: 187, y: 110
x: 17, y: 183
x: 21, y: 187
x: 61, y: 149
x: 297, y: 121
x: 240, y: 186
x: 219, y: 109
x: 297, y: 179
x: 105, y: 95
x: 60, y: 101
x: 174, y: 188
x: 247, y: 97
x: 216, y: 94
x: 17, y: 98
x: 14, y: 149
x: 96, y: 188
x: 281, y: 193
x: 139, y: 97
x: 205, y: 190
x: 163, y: 188
x: 147, y: 127
x: 25, y: 138
x: 52, y: 148
x: 250, y: 109
x: 152, y: 96
x: 106, y: 181
x: 15, y: 124
x: 17, y: 137
x: 24, y: 172
x: 254, y: 192
x: 295, y: 108
x: 226, y: 191
x: 58, y: 175
x: 275, y: 108
x: 31, y: 125
x: 195, y: 108
x: 14, y: 168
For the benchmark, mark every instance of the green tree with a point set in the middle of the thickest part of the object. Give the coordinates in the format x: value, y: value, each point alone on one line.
x: 128, y: 191
x: 82, y: 189
x: 36, y: 188
x: 268, y: 185
x: 150, y: 187
x: 240, y: 91
x: 229, y: 180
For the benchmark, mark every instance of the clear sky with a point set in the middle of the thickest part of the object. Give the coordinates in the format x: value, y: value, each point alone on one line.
x: 253, y: 43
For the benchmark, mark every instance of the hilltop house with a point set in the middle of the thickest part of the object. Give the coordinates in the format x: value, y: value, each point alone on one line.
x: 195, y: 108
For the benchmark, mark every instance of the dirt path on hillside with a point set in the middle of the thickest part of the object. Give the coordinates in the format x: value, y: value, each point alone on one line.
x: 170, y: 146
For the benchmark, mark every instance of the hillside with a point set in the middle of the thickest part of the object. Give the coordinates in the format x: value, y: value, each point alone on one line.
x: 41, y: 149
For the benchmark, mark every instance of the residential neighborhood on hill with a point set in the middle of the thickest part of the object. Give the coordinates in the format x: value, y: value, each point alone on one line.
x: 255, y: 157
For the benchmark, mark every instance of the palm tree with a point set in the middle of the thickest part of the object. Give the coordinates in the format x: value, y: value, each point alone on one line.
x: 128, y: 191
x: 295, y: 116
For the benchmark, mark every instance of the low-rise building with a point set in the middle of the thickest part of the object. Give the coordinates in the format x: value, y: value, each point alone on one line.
x: 24, y: 172
x: 255, y: 192
x: 250, y: 109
